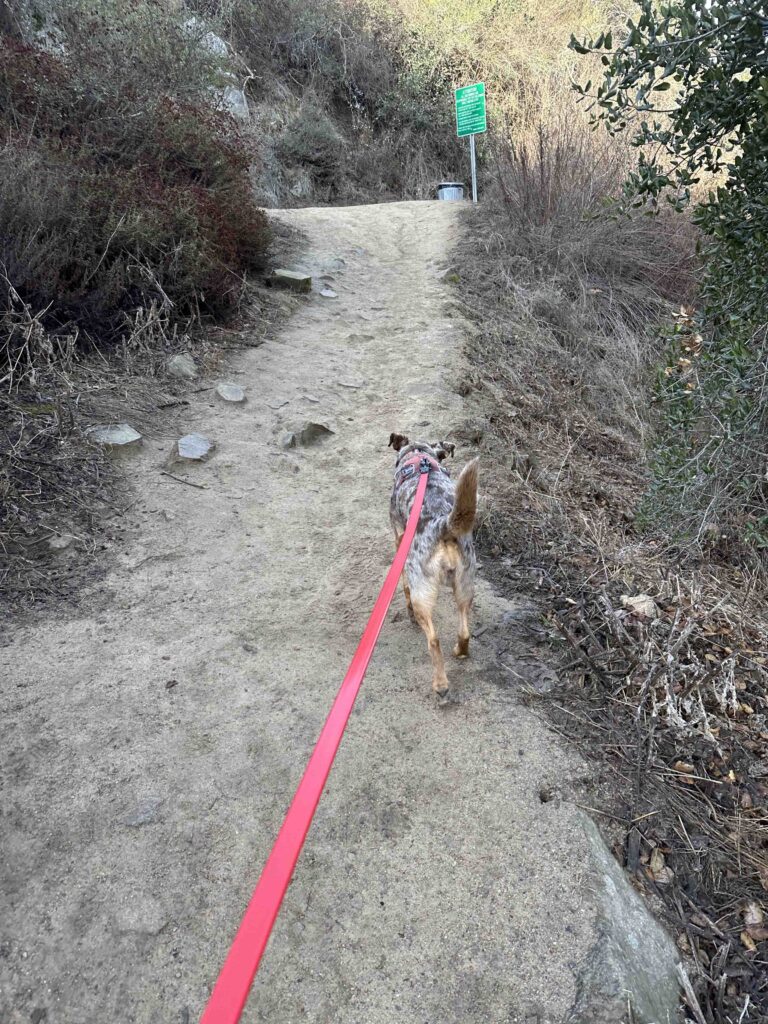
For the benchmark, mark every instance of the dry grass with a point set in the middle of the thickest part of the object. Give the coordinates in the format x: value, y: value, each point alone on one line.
x: 567, y: 299
x: 565, y: 307
x: 57, y: 490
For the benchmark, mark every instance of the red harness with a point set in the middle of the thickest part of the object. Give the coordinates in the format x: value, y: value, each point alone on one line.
x: 412, y: 465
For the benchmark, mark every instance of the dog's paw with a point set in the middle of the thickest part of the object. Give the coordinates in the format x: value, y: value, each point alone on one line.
x: 441, y: 690
x: 461, y: 650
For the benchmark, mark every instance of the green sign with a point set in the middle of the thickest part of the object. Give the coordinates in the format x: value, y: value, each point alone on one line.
x: 470, y: 110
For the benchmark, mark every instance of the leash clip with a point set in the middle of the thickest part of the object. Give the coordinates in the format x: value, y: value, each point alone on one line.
x: 425, y: 465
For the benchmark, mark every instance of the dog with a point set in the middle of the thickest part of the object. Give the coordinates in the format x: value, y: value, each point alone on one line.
x: 442, y: 549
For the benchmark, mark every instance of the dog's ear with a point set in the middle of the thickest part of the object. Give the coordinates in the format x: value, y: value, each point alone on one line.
x: 443, y: 449
x: 397, y: 441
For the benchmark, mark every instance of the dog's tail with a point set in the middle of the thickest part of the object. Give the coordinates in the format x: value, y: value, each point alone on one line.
x: 464, y: 508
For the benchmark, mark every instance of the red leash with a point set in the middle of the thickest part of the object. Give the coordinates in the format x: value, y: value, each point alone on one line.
x: 236, y: 977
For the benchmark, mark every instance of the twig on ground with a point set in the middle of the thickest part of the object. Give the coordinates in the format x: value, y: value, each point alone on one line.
x: 200, y: 487
x: 690, y: 995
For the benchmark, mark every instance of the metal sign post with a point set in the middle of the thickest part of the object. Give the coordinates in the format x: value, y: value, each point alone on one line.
x: 474, y: 167
x: 470, y: 120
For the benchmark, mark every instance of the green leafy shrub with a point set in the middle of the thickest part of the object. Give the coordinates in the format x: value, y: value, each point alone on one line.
x: 688, y: 80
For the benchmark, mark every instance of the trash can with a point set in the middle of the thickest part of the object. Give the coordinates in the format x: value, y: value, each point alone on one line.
x: 450, y: 190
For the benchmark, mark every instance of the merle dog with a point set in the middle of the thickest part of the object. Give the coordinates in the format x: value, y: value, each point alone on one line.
x: 442, y: 549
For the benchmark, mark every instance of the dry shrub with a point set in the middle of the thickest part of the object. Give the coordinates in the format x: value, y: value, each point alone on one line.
x: 374, y: 119
x: 126, y: 211
x: 575, y: 292
x: 115, y: 197
x: 312, y: 140
x: 558, y: 185
x: 567, y: 298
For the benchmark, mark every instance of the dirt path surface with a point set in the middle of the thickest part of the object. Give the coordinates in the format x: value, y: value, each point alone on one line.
x: 151, y: 746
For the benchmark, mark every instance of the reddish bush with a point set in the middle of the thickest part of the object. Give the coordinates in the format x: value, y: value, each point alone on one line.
x: 112, y: 200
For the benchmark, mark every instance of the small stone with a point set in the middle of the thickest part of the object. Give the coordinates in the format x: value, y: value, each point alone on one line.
x: 145, y: 813
x: 194, y: 447
x: 182, y: 366
x: 60, y: 542
x: 328, y: 293
x: 337, y: 263
x: 141, y: 914
x: 288, y: 440
x: 291, y: 279
x: 471, y: 431
x: 308, y: 432
x: 311, y: 398
x: 230, y: 392
x: 234, y: 101
x: 352, y: 382
x: 116, y: 435
x: 641, y: 605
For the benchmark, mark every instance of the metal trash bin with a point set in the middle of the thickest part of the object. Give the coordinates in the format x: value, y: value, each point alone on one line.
x: 450, y: 190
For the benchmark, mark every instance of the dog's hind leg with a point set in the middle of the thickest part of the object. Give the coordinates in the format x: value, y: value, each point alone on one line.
x: 423, y: 607
x: 463, y: 592
x: 461, y: 650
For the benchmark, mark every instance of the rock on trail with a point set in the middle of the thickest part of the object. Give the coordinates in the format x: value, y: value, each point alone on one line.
x: 437, y: 883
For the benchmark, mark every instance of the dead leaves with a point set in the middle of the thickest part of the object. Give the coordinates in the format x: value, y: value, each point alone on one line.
x: 691, y: 344
x: 754, y: 925
x: 753, y: 915
x: 641, y: 605
x: 658, y: 868
x: 748, y: 941
x: 678, y: 681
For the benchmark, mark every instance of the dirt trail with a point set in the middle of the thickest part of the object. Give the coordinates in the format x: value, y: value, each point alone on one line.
x: 150, y: 747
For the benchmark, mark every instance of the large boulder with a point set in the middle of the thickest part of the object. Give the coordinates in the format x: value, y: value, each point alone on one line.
x: 228, y: 95
x: 633, y: 961
x: 35, y: 22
